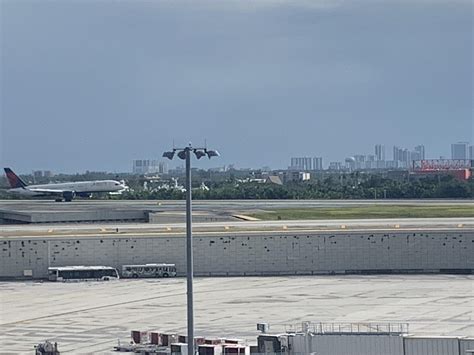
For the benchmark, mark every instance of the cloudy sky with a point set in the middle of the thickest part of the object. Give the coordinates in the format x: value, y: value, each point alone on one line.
x: 91, y: 85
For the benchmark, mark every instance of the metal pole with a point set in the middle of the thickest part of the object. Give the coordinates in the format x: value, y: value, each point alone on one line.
x: 189, y: 255
x: 49, y: 253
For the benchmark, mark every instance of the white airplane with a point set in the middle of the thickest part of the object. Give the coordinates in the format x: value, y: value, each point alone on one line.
x: 63, y: 191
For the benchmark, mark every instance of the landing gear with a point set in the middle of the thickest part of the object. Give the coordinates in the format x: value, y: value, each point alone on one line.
x: 63, y: 200
x: 68, y: 195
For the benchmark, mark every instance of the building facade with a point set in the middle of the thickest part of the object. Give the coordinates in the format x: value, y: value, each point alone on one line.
x: 380, y: 152
x: 146, y: 166
x: 459, y: 150
x: 306, y: 163
x: 420, y: 151
x: 317, y: 163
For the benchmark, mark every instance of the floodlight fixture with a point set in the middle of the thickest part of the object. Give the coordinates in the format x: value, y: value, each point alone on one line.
x: 169, y: 155
x: 182, y: 154
x: 199, y: 153
x: 212, y: 153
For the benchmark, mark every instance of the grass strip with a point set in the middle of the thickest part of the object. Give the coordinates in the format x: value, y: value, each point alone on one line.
x: 374, y: 211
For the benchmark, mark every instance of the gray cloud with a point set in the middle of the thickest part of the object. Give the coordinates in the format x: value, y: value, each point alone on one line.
x: 92, y: 85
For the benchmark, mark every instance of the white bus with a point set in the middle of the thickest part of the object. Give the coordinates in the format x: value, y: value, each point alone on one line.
x: 82, y: 273
x: 149, y: 270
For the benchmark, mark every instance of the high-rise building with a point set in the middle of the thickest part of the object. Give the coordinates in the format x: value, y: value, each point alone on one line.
x: 420, y: 152
x: 335, y: 165
x: 403, y: 157
x: 471, y: 152
x: 370, y: 162
x: 306, y: 163
x: 415, y: 155
x: 359, y: 158
x: 406, y: 158
x: 146, y: 166
x: 379, y: 152
x: 459, y: 150
x: 163, y: 167
x: 298, y: 163
x: 397, y: 153
x: 317, y: 163
x: 42, y: 173
x: 293, y: 163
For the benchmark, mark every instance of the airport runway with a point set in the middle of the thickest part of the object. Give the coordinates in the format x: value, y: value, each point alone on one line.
x: 204, y: 205
x: 162, y: 212
x: 229, y: 228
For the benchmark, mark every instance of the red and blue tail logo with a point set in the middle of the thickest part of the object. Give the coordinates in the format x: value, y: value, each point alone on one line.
x: 14, y: 180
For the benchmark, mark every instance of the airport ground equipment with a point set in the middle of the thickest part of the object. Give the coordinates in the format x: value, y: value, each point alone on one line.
x: 47, y: 348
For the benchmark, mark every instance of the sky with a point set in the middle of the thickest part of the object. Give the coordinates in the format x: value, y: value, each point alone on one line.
x: 94, y: 84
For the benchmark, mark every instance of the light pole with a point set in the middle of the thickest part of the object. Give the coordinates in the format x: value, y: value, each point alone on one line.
x: 185, y: 154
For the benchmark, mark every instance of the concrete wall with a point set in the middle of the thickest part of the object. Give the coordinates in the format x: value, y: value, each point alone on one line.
x: 377, y: 344
x: 466, y: 346
x: 348, y: 344
x: 251, y: 255
x: 92, y: 215
x: 432, y: 346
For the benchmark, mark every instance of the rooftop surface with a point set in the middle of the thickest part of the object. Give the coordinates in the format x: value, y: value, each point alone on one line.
x: 90, y: 317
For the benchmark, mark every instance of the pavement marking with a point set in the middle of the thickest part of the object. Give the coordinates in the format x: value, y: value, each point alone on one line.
x: 245, y: 218
x: 222, y: 309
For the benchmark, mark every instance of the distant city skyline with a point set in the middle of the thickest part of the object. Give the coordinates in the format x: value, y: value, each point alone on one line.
x: 306, y: 161
x: 93, y: 85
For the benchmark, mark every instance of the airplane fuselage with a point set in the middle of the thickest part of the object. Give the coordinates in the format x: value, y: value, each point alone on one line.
x: 78, y: 188
x: 62, y: 191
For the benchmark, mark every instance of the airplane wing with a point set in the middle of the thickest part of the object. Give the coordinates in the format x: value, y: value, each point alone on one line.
x: 48, y: 191
x: 67, y: 195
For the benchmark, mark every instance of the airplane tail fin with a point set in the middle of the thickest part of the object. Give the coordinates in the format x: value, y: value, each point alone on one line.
x: 14, y: 180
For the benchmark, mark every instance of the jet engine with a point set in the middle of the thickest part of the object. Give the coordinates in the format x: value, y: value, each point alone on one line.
x: 68, y: 195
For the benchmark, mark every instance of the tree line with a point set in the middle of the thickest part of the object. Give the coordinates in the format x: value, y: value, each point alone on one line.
x: 342, y: 186
x: 331, y: 187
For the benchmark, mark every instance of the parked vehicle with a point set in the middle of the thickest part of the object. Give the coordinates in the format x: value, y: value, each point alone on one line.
x: 82, y: 273
x: 149, y: 270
